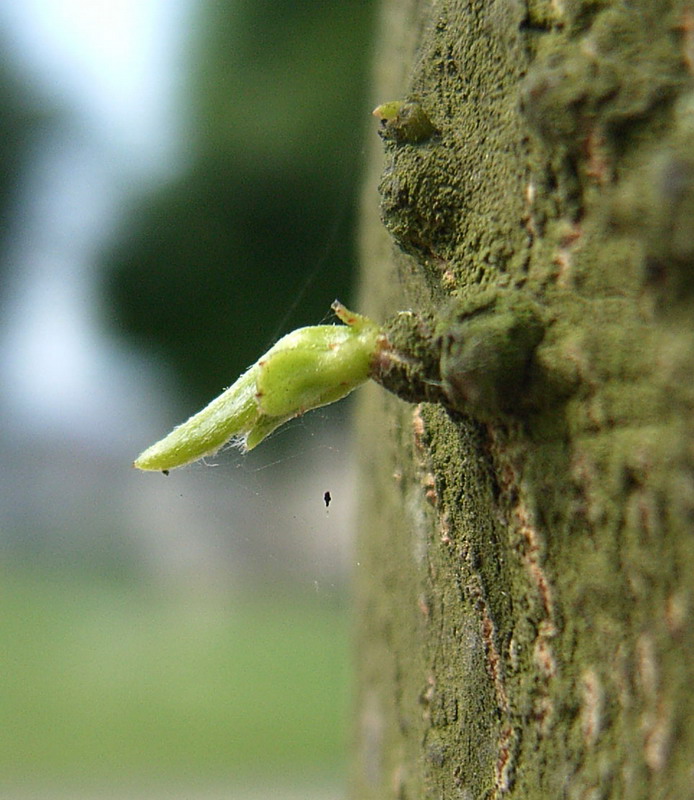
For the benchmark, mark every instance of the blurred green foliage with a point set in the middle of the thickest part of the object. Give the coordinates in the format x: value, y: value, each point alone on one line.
x: 105, y: 681
x: 257, y: 236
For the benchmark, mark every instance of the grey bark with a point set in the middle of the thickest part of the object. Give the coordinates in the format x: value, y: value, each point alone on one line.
x: 524, y: 581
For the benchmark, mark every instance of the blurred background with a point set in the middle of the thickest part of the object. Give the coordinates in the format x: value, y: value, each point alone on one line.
x: 178, y: 182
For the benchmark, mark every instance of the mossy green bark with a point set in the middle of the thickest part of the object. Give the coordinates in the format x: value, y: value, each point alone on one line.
x: 525, y: 579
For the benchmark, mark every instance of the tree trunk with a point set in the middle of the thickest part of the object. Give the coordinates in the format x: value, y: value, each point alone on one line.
x: 524, y: 579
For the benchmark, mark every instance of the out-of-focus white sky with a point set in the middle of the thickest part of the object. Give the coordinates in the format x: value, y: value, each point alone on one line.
x: 110, y: 70
x: 115, y: 63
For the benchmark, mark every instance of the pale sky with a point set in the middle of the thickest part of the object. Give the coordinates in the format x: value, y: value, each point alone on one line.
x: 112, y: 68
x: 117, y: 63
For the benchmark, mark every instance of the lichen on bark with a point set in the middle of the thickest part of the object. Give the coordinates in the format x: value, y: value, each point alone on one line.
x: 525, y: 580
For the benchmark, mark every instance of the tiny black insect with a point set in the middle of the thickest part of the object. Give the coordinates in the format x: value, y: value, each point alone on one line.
x: 326, y: 499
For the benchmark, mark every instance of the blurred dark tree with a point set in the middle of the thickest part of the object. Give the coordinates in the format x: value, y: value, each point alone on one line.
x: 20, y: 117
x: 256, y: 237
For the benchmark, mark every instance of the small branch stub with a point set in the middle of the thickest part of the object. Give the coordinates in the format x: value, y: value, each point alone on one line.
x: 404, y: 122
x: 474, y: 358
x: 487, y: 347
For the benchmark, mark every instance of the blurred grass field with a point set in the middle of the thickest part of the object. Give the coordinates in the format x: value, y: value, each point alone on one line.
x: 110, y: 681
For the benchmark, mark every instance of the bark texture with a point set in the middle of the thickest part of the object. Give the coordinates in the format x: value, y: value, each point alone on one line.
x: 525, y: 580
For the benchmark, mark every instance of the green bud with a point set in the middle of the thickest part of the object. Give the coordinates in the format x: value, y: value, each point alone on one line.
x: 306, y: 369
